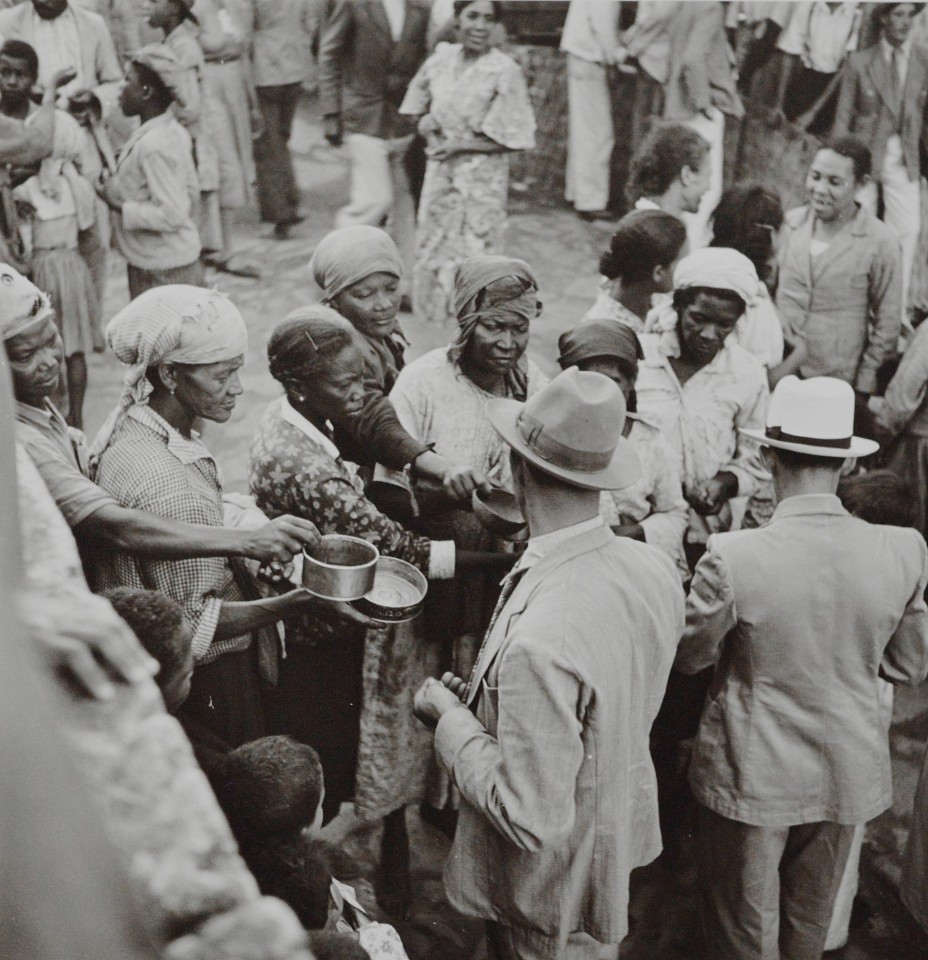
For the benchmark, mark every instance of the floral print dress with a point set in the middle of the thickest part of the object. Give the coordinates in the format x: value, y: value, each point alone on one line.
x: 462, y: 211
x: 345, y: 691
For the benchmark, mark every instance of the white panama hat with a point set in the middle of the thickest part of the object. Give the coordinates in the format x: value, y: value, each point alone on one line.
x: 814, y: 416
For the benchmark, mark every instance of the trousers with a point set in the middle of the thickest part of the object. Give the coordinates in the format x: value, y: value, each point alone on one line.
x: 513, y: 943
x: 590, y: 134
x: 901, y: 209
x: 768, y: 892
x: 278, y: 193
x: 380, y: 189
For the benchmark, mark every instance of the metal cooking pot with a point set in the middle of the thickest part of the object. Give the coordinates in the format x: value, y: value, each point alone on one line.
x: 398, y: 594
x: 339, y: 568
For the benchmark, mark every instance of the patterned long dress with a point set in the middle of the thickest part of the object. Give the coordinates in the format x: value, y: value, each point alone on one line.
x: 347, y: 692
x: 462, y: 210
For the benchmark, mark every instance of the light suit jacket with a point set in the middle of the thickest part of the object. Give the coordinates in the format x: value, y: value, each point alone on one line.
x: 99, y: 64
x: 801, y: 617
x: 866, y: 110
x: 559, y: 794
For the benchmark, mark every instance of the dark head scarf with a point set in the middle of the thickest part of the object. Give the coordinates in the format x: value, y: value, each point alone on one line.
x: 492, y: 286
x: 599, y: 338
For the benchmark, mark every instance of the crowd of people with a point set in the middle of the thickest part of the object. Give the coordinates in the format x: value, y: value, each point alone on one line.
x: 720, y: 565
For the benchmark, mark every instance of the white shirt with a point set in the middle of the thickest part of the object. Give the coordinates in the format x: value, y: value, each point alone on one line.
x: 643, y: 203
x: 820, y: 36
x: 58, y: 45
x: 396, y: 14
x: 591, y: 30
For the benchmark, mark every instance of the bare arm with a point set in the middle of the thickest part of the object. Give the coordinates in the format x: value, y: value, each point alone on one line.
x: 159, y: 538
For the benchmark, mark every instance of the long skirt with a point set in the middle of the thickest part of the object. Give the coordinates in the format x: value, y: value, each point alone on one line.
x: 63, y: 275
x: 462, y: 213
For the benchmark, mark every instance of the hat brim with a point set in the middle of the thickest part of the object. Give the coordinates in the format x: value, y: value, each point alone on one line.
x: 860, y: 447
x: 623, y: 470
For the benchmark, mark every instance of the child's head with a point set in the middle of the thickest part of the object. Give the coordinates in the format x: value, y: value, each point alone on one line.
x: 336, y: 946
x: 158, y: 622
x: 272, y: 789
x: 297, y: 873
x: 879, y: 496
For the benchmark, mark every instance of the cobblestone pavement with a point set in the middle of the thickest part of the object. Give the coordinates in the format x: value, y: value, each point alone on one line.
x: 564, y: 251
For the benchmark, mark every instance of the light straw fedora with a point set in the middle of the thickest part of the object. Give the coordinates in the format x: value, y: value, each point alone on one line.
x: 814, y: 416
x: 572, y: 430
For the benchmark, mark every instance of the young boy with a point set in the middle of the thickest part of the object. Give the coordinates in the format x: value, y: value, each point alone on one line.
x: 271, y: 792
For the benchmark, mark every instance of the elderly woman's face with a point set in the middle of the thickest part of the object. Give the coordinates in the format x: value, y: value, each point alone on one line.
x: 209, y: 390
x: 36, y: 357
x: 338, y: 394
x: 497, y: 344
x: 371, y: 304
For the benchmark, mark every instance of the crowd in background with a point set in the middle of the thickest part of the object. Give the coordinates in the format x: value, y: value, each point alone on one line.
x: 741, y: 409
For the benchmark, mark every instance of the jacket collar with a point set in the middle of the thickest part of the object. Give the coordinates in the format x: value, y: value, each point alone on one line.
x: 810, y: 504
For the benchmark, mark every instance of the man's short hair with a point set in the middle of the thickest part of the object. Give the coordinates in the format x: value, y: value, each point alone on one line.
x: 643, y: 240
x: 661, y: 157
x: 20, y: 50
x: 879, y: 496
x: 156, y: 619
x: 855, y: 150
x: 271, y: 787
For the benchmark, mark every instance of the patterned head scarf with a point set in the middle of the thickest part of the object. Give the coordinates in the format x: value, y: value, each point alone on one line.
x: 172, y: 324
x: 22, y: 303
x: 348, y: 255
x: 492, y: 286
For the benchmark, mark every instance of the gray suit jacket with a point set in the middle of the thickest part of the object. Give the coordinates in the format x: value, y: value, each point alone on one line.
x: 363, y: 72
x: 559, y: 794
x: 800, y: 617
x: 866, y: 110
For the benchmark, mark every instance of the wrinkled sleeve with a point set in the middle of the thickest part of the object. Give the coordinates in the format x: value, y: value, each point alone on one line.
x: 523, y: 780
x: 885, y: 314
x: 752, y: 415
x: 906, y: 391
x: 169, y: 207
x: 666, y: 525
x: 510, y: 121
x: 418, y: 97
x: 710, y: 614
x: 905, y: 659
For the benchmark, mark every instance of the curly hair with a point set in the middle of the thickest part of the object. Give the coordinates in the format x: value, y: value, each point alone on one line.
x: 662, y: 155
x: 156, y: 619
x: 747, y: 219
x: 643, y: 240
x: 304, y: 343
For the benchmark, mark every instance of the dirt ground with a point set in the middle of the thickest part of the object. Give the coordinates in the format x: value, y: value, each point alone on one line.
x: 563, y: 250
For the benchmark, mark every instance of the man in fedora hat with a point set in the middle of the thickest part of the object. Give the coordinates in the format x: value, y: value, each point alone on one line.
x: 800, y: 617
x: 548, y: 740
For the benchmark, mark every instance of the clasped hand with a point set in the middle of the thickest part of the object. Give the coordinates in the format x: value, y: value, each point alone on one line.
x: 436, y: 697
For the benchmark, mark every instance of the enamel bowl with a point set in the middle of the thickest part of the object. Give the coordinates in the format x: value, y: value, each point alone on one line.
x: 398, y: 593
x: 498, y: 511
x: 339, y: 568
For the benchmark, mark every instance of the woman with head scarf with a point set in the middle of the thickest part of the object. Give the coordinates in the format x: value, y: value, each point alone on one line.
x: 367, y: 677
x: 154, y: 190
x: 183, y: 347
x: 441, y: 399
x: 700, y: 387
x: 359, y: 271
x: 653, y: 509
x: 473, y: 108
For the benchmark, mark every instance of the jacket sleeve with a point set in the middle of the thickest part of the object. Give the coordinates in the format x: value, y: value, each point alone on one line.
x: 905, y: 659
x: 885, y: 314
x: 169, y: 207
x: 333, y: 42
x: 523, y: 780
x: 906, y: 390
x: 710, y: 614
x: 847, y: 94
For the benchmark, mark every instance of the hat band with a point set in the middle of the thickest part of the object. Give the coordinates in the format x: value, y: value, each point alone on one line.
x: 532, y: 433
x: 839, y: 443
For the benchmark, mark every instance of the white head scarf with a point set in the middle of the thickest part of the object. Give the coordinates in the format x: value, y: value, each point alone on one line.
x: 720, y: 268
x: 22, y: 303
x: 172, y: 324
